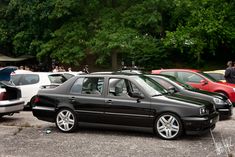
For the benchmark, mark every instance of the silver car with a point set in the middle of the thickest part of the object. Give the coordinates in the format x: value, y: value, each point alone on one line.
x: 10, y: 95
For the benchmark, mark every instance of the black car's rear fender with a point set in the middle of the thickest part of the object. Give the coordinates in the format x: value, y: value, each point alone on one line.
x: 64, y: 105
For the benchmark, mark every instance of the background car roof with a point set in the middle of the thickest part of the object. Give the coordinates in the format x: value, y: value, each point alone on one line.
x: 216, y: 71
x: 157, y: 71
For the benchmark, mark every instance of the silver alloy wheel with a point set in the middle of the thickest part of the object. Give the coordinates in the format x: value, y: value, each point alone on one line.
x: 65, y: 120
x: 168, y: 126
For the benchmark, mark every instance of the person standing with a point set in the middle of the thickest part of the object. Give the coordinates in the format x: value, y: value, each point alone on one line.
x: 85, y: 69
x: 69, y: 69
x: 230, y: 73
x: 56, y: 69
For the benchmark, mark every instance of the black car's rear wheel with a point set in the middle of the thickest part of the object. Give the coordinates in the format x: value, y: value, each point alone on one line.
x: 168, y: 126
x: 66, y: 120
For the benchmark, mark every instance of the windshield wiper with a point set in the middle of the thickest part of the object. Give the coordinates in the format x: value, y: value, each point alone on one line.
x: 165, y: 93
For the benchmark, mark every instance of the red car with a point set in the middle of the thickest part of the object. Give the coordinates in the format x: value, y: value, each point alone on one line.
x: 200, y: 80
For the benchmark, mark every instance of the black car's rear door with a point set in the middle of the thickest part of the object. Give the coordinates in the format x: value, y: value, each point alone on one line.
x: 87, y: 99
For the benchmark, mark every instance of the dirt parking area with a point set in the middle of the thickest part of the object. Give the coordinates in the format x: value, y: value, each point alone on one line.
x: 22, y: 135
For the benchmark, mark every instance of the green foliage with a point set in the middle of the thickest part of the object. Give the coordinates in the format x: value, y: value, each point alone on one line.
x: 66, y: 45
x: 204, y: 29
x: 148, y: 32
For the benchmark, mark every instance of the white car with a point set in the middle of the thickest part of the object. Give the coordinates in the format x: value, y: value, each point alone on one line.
x: 10, y: 101
x: 30, y: 82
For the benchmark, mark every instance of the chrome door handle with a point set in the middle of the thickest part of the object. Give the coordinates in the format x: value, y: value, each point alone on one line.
x: 108, y: 101
x: 72, y: 99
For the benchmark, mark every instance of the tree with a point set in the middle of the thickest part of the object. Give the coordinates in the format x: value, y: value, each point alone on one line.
x: 210, y: 23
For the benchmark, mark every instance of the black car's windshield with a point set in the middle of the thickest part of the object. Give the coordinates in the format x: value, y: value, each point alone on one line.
x: 151, y: 86
x: 208, y: 76
x: 181, y: 83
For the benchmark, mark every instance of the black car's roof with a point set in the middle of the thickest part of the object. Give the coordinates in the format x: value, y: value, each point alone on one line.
x: 110, y: 74
x: 164, y: 75
x: 115, y: 73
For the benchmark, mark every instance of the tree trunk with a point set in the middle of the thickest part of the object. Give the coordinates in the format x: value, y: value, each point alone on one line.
x: 114, y: 60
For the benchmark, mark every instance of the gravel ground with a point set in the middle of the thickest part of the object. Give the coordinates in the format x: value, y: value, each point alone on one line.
x: 22, y: 135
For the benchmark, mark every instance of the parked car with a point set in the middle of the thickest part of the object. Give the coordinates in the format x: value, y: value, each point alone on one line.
x: 30, y: 82
x: 217, y: 74
x: 222, y: 103
x: 10, y: 102
x: 131, y: 100
x: 200, y: 80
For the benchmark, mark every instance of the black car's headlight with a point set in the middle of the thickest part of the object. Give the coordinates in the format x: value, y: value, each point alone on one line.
x: 218, y: 101
x: 204, y: 111
x: 229, y: 102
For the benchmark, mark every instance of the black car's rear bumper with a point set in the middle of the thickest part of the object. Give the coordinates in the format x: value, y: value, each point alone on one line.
x: 44, y: 113
x: 200, y: 125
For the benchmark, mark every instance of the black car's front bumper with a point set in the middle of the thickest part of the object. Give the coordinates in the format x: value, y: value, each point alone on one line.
x: 226, y: 111
x: 200, y: 125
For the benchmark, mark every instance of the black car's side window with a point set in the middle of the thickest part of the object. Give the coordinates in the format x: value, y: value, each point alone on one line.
x: 135, y: 89
x: 77, y: 86
x: 93, y: 85
x: 118, y: 87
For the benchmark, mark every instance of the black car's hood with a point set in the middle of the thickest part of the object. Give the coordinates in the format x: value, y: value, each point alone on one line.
x: 188, y: 99
x: 217, y: 95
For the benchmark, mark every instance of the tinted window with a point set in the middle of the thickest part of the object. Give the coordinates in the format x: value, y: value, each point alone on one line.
x: 77, y: 86
x: 150, y: 86
x: 15, y: 79
x: 118, y: 87
x: 162, y: 82
x: 189, y: 77
x: 57, y: 78
x: 68, y: 76
x: 93, y: 85
x: 217, y: 76
x: 25, y: 79
x: 171, y: 73
x: 135, y: 89
x: 208, y: 76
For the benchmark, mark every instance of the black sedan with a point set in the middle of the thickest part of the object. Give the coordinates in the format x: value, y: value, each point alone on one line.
x: 130, y: 100
x: 222, y: 103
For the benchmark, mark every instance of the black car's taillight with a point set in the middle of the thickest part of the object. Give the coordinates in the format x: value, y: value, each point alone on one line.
x: 36, y: 100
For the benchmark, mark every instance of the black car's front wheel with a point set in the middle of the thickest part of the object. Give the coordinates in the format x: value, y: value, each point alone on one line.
x: 168, y: 126
x: 66, y: 120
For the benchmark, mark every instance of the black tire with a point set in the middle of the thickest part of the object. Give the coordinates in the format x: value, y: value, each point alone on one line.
x: 168, y: 126
x: 66, y: 120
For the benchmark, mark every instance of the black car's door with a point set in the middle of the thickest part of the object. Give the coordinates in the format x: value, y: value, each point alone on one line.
x: 87, y: 99
x: 122, y: 109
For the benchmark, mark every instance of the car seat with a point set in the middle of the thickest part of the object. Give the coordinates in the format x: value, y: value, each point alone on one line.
x: 119, y: 92
x: 94, y: 89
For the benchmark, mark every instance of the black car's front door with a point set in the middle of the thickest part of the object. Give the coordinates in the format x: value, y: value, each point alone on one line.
x: 122, y: 109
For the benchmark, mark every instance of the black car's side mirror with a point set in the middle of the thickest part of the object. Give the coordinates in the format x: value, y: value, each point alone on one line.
x: 172, y: 90
x: 136, y: 95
